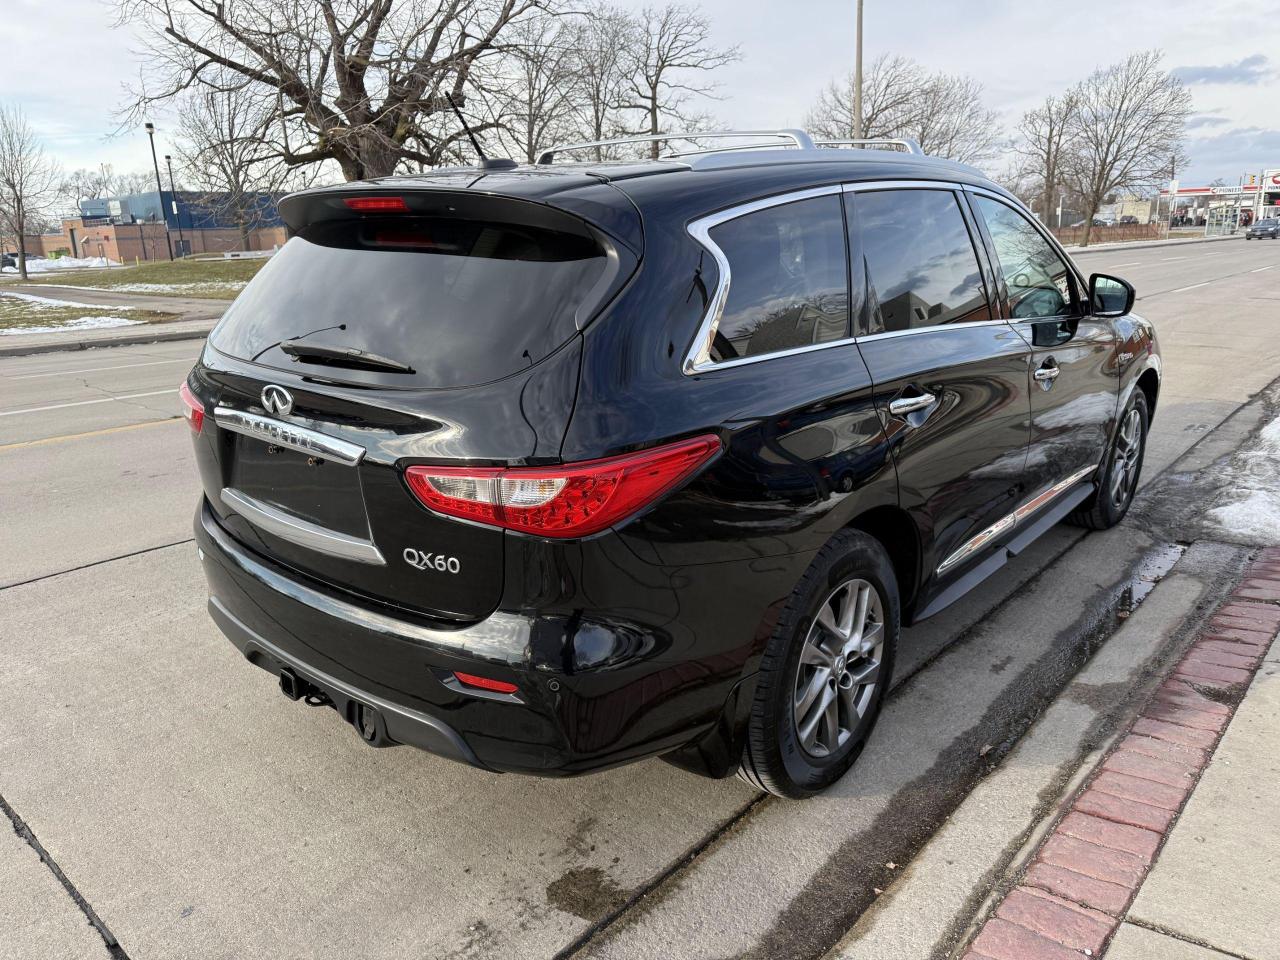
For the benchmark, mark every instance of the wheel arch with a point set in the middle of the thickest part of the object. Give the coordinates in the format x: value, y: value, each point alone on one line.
x: 893, y: 528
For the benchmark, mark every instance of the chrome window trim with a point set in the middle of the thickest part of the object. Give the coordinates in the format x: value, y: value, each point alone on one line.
x: 698, y: 357
x: 302, y: 439
x: 304, y: 533
x: 1011, y: 520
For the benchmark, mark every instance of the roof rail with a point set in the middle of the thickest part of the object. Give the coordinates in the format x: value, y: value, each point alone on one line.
x: 907, y: 144
x: 799, y: 138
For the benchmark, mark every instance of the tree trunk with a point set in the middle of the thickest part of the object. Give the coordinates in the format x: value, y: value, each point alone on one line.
x: 21, y: 224
x: 653, y: 124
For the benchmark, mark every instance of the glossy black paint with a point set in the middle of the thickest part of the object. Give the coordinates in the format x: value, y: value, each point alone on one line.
x: 645, y: 640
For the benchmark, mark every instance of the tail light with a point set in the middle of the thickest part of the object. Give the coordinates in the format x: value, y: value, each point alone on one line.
x: 192, y: 409
x: 572, y: 500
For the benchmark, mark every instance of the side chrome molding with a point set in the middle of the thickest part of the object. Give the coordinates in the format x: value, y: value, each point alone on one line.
x: 1009, y: 521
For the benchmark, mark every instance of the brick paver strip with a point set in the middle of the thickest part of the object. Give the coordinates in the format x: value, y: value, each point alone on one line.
x: 1071, y: 897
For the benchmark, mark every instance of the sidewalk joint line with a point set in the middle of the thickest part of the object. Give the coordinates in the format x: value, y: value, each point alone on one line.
x: 1183, y: 937
x: 20, y: 827
x: 96, y: 563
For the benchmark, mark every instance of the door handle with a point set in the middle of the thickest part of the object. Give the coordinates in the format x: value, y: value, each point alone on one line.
x: 904, y: 405
x: 1047, y: 374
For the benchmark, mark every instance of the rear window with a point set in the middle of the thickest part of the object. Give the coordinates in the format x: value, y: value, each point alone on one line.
x: 459, y: 301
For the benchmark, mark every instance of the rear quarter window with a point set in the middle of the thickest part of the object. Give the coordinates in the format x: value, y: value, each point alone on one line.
x: 460, y: 301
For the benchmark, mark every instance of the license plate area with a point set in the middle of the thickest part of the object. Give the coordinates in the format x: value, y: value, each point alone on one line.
x: 324, y: 492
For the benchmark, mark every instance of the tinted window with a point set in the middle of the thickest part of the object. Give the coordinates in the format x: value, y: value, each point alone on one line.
x: 1039, y: 281
x: 914, y: 249
x: 460, y: 301
x: 788, y: 279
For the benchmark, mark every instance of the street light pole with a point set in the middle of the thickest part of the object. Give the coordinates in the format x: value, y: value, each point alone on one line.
x: 857, y: 80
x: 151, y: 135
x: 177, y: 211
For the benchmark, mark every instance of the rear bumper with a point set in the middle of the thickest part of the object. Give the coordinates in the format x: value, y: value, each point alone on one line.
x: 393, y: 722
x: 596, y: 687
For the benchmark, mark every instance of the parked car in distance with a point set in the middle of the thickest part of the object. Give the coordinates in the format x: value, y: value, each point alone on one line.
x: 1128, y: 218
x: 497, y: 462
x: 8, y: 260
x: 1268, y: 229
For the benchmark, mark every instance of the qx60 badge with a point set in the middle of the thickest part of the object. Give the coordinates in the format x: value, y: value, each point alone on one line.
x: 277, y: 400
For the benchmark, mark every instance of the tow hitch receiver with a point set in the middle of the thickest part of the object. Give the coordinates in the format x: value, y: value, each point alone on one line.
x: 291, y: 685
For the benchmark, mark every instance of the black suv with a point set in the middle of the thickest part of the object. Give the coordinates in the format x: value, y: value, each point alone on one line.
x: 554, y: 468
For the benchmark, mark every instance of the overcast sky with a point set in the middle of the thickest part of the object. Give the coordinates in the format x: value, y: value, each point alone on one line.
x: 66, y: 64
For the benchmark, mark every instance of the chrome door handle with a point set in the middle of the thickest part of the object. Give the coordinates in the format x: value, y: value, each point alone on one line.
x: 1047, y: 374
x: 905, y: 405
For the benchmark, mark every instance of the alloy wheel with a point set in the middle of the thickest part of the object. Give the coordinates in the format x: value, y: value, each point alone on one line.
x: 1124, y: 469
x: 839, y: 667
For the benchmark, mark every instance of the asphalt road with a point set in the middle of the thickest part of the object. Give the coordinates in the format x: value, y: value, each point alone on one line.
x: 197, y: 813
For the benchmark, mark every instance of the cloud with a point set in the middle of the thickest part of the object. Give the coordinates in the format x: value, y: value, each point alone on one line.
x: 1249, y: 71
x: 1203, y: 120
x: 1241, y: 150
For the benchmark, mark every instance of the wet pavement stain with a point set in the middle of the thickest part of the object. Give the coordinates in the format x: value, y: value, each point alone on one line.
x: 586, y: 892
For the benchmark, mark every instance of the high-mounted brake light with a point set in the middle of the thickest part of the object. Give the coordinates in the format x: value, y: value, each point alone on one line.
x: 572, y: 500
x: 377, y: 204
x: 192, y: 409
x: 484, y: 683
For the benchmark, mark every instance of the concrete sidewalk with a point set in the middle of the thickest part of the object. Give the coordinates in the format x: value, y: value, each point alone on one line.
x: 1172, y: 848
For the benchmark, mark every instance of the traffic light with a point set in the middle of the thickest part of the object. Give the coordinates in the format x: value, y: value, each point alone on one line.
x: 1253, y: 179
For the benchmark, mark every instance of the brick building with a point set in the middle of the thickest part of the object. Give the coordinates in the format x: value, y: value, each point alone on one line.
x: 129, y: 228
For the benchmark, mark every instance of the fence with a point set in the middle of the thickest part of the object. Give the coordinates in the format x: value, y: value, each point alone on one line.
x: 1071, y: 236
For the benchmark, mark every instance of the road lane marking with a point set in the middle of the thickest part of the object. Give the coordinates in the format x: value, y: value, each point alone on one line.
x: 1167, y: 259
x: 85, y: 403
x: 1193, y: 286
x: 1260, y: 269
x: 1131, y: 263
x: 122, y: 366
x: 88, y: 433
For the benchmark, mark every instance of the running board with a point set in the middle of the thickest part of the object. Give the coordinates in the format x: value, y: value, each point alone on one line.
x: 1026, y: 536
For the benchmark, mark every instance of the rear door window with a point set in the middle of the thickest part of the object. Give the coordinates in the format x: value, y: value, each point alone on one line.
x: 914, y: 249
x: 788, y: 279
x: 458, y: 301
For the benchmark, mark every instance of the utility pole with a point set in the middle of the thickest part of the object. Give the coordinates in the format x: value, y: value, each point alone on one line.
x: 182, y: 239
x: 857, y: 80
x: 151, y: 134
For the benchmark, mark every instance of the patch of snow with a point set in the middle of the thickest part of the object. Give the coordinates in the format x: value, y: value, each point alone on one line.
x: 79, y: 323
x: 51, y: 302
x: 1251, y: 510
x: 67, y: 263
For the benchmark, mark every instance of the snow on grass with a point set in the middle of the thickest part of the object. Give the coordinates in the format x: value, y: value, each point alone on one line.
x: 208, y: 286
x: 67, y: 263
x: 1253, y: 510
x: 75, y: 323
x: 38, y: 303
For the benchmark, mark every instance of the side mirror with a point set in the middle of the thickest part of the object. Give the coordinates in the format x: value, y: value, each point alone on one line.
x: 1110, y: 296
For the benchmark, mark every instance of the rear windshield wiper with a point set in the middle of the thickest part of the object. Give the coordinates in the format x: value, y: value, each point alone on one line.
x: 343, y: 357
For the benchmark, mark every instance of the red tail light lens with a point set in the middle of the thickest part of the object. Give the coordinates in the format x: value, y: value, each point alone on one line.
x: 484, y: 683
x: 573, y: 500
x: 192, y: 409
x: 376, y: 204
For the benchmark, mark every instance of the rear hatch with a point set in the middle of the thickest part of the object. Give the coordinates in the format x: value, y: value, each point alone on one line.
x: 432, y: 327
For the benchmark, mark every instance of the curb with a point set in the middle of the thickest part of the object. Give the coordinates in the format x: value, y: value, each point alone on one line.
x: 1078, y: 886
x: 1147, y: 244
x: 125, y: 340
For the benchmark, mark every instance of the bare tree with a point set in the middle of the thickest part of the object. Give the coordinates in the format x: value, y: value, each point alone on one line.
x: 671, y: 48
x: 540, y: 85
x: 600, y: 73
x: 1130, y: 121
x: 943, y: 112
x: 362, y: 82
x: 1042, y: 137
x: 29, y: 180
x: 223, y: 154
x: 85, y: 184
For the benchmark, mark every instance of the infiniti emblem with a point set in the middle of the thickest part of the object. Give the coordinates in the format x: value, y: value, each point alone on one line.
x: 277, y: 400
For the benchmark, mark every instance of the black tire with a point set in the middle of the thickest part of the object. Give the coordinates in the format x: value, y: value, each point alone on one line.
x: 1105, y: 509
x: 775, y: 758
